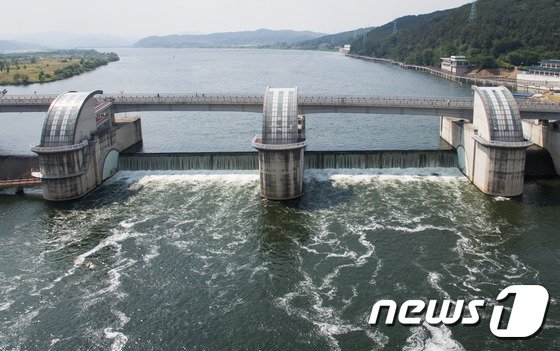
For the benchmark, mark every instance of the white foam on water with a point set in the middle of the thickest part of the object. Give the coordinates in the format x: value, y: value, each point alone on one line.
x: 199, y: 176
x: 380, y: 339
x: 344, y: 177
x: 113, y: 284
x: 57, y: 280
x: 19, y: 324
x: 501, y: 198
x: 318, y: 315
x: 327, y: 319
x: 153, y: 252
x: 6, y: 305
x: 339, y: 177
x: 113, y: 240
x: 122, y: 318
x: 417, y: 229
x: 258, y: 270
x: 434, y: 278
x: 119, y: 339
x: 430, y: 338
x: 64, y: 229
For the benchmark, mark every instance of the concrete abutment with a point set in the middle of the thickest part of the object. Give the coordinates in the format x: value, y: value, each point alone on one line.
x: 491, y: 150
x: 75, y: 143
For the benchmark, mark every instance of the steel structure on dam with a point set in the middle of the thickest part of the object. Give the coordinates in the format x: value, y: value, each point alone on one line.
x: 307, y: 104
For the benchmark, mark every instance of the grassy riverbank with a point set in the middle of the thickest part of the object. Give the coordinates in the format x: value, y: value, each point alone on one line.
x: 43, y: 67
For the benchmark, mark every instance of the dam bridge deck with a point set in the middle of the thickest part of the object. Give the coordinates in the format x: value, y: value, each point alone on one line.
x: 307, y: 104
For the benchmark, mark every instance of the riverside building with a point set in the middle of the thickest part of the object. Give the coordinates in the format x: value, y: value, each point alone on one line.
x: 458, y: 65
x: 545, y: 76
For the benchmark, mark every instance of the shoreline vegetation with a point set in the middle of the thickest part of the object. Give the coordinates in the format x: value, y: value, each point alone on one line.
x: 49, y: 66
x: 505, y: 34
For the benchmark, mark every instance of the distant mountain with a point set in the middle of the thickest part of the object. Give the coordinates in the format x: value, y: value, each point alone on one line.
x: 261, y: 37
x: 331, y: 41
x: 12, y: 45
x: 63, y: 40
x: 505, y: 33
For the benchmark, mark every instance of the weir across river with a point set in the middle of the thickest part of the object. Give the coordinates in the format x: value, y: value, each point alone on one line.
x: 82, y: 139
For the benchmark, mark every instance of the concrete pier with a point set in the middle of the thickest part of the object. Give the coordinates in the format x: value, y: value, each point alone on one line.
x: 281, y: 147
x: 491, y: 150
x: 546, y: 135
x: 80, y: 145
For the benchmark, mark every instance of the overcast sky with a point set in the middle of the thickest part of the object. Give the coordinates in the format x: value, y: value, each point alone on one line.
x: 140, y: 18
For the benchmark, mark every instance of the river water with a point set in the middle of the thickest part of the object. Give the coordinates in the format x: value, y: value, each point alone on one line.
x: 197, y: 260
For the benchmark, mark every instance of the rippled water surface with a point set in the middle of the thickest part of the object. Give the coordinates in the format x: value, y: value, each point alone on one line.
x: 248, y: 71
x: 169, y: 260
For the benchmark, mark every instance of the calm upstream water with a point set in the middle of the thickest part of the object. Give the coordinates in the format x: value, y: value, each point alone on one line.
x: 247, y: 71
x: 197, y: 260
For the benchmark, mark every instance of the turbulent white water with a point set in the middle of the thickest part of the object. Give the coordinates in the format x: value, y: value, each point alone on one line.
x: 197, y: 260
x: 158, y: 260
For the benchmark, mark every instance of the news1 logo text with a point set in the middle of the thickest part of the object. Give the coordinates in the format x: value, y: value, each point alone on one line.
x: 526, y: 317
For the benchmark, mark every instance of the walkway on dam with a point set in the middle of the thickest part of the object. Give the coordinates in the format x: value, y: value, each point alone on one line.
x: 19, y: 183
x: 15, y: 171
x: 307, y: 104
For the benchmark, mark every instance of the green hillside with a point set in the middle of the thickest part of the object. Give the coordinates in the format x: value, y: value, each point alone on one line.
x: 330, y: 42
x: 505, y: 33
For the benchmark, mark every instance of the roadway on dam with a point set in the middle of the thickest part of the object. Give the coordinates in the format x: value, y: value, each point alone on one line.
x: 307, y: 104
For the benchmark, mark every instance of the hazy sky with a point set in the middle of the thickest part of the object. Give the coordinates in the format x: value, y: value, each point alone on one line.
x: 159, y: 17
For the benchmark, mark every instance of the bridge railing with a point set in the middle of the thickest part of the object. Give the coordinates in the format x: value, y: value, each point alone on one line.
x: 462, y: 103
x: 195, y: 98
x: 27, y: 99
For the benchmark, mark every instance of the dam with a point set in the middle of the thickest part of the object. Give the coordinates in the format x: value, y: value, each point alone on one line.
x: 83, y: 142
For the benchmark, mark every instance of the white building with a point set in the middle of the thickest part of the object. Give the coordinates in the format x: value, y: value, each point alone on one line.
x: 455, y: 64
x: 344, y: 49
x: 544, y: 76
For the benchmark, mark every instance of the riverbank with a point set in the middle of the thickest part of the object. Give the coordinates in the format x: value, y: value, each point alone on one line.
x: 479, y: 77
x: 44, y: 67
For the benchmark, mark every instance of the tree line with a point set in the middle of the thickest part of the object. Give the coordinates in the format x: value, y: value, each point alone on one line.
x: 505, y: 33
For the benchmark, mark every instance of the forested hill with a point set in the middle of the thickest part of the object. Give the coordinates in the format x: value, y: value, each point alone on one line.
x: 504, y: 33
x: 257, y: 38
x: 331, y: 41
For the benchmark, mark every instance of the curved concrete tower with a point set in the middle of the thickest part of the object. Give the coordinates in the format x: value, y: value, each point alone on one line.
x: 80, y: 145
x: 491, y: 150
x: 281, y: 147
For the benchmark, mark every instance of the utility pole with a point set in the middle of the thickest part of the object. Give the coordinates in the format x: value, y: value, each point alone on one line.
x: 473, y: 16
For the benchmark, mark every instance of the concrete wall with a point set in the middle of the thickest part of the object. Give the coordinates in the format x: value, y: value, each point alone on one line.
x: 281, y: 174
x: 545, y: 135
x: 495, y: 169
x: 70, y: 174
x: 281, y: 149
x: 17, y: 166
x: 499, y: 171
